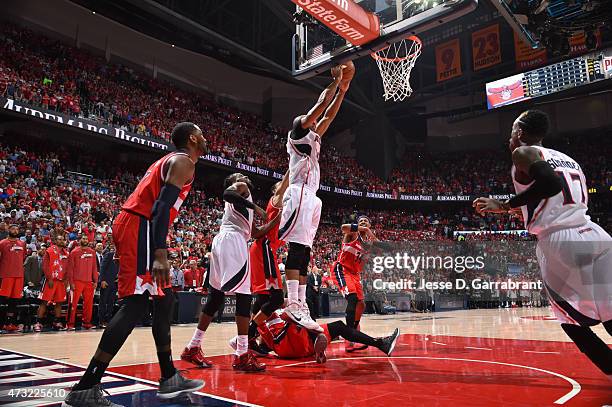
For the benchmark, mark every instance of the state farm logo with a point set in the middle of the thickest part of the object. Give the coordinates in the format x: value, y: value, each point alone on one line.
x: 326, y: 14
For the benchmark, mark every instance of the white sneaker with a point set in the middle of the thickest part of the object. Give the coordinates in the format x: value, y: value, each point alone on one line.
x: 301, y: 316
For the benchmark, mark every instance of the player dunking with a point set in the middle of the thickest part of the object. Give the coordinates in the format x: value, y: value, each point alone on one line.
x: 140, y: 232
x: 574, y: 254
x: 346, y: 271
x: 301, y: 206
x: 230, y: 271
x: 266, y: 279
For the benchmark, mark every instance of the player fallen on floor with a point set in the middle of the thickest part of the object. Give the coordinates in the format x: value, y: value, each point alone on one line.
x: 292, y: 341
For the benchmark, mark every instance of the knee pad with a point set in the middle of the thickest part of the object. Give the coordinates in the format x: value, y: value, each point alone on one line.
x: 214, y: 301
x: 243, y: 305
x: 295, y: 258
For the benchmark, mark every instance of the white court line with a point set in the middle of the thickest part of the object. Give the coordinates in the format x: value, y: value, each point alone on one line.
x: 156, y: 384
x: 472, y: 347
x: 438, y: 343
x: 536, y: 351
x: 575, y: 385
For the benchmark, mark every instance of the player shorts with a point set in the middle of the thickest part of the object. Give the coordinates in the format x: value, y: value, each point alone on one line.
x: 264, y: 267
x: 11, y: 287
x: 301, y: 215
x: 133, y: 242
x: 55, y: 294
x: 347, y: 281
x: 575, y: 265
x: 229, y: 263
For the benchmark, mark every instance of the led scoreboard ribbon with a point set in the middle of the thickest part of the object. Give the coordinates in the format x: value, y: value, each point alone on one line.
x: 550, y: 79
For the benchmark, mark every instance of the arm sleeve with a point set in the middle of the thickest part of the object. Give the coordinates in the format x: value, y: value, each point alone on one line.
x: 160, y: 215
x: 235, y: 198
x: 546, y: 184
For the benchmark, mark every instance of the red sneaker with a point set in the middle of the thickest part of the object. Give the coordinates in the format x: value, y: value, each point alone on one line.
x: 38, y: 327
x: 247, y: 362
x: 196, y: 356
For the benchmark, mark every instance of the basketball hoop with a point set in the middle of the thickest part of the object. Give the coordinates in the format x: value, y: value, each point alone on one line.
x: 395, y: 63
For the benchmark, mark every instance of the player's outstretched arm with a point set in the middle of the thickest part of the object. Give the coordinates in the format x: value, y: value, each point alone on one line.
x: 257, y: 232
x: 528, y: 162
x: 332, y: 110
x: 180, y: 170
x: 310, y: 118
x: 277, y: 199
x: 238, y: 193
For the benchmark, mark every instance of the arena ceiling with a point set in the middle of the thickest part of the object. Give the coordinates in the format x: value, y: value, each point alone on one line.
x: 254, y: 36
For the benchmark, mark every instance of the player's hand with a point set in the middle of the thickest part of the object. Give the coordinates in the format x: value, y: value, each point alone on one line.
x: 489, y: 205
x: 30, y: 284
x: 161, y: 268
x: 336, y: 73
x: 103, y: 284
x: 261, y: 213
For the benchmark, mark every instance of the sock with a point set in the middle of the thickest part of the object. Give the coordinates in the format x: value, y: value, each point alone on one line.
x: 165, y: 364
x: 242, y: 345
x: 92, y: 376
x: 302, y: 293
x: 292, y: 290
x: 196, y: 340
x: 253, y: 333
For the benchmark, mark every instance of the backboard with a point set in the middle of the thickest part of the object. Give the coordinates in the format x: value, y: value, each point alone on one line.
x: 317, y: 48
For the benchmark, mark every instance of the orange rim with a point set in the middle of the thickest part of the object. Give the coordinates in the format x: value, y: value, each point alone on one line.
x: 413, y: 38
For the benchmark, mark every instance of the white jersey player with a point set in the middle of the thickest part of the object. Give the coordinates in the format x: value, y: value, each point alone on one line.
x: 230, y: 271
x: 574, y: 253
x: 301, y: 206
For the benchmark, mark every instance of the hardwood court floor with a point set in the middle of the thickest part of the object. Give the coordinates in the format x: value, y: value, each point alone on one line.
x: 510, y: 357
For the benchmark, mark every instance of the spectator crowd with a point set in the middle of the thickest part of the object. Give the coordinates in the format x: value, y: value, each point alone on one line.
x: 47, y: 73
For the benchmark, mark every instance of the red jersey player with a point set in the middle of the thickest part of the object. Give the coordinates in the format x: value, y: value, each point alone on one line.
x: 291, y: 341
x: 54, y: 267
x: 266, y: 279
x: 82, y: 273
x: 140, y: 232
x: 12, y: 256
x: 347, y: 269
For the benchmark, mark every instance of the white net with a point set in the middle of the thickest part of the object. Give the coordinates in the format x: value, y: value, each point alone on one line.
x: 395, y: 64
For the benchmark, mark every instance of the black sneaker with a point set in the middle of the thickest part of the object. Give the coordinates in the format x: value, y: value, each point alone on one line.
x: 93, y: 397
x: 177, y: 385
x: 388, y: 342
